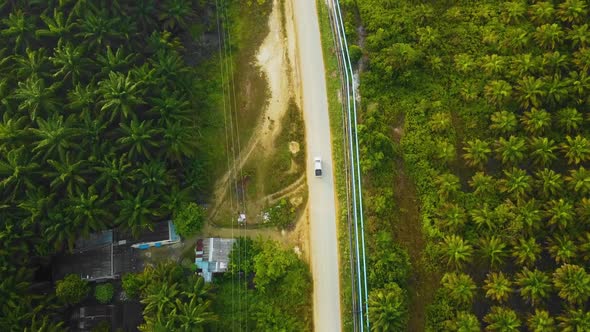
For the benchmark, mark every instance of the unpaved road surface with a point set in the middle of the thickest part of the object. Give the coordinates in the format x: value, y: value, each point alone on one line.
x: 322, y: 210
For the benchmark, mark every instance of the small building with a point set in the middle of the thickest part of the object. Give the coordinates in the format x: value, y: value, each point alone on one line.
x: 212, y: 256
x: 111, y: 253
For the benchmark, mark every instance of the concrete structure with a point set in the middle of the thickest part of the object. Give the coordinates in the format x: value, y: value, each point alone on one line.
x: 212, y: 256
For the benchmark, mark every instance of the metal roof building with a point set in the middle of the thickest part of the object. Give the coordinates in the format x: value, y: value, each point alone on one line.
x: 212, y: 256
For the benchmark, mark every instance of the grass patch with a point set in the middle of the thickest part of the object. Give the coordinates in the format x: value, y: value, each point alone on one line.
x: 333, y: 84
x: 280, y: 162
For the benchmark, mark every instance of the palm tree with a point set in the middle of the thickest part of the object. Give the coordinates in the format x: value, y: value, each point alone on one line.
x: 464, y: 63
x: 459, y: 287
x: 493, y: 249
x: 389, y: 308
x: 529, y: 91
x: 534, y: 286
x: 542, y: 150
x: 572, y: 11
x: 120, y: 94
x: 502, y: 319
x: 569, y: 119
x: 113, y: 172
x: 170, y: 69
x: 542, y: 12
x: 580, y: 83
x: 143, y: 13
x: 513, y: 11
x: 16, y: 172
x: 448, y: 184
x: 579, y: 180
x: 498, y: 92
x: 67, y: 172
x: 560, y: 212
x: 456, y: 250
x: 511, y: 151
x: 517, y: 39
x: 57, y: 26
x: 540, y: 321
x: 516, y: 182
x: 160, y: 298
x: 71, y: 61
x: 36, y: 204
x: 582, y: 59
x: 483, y: 217
x: 574, y: 320
x: 20, y: 28
x: 90, y: 208
x: 497, y: 286
x: 579, y: 35
x: 136, y: 211
x: 35, y: 97
x: 477, y: 153
x: 114, y: 62
x: 573, y: 283
x: 526, y: 251
x: 557, y: 89
x: 469, y: 92
x: 180, y: 141
x: 549, y: 182
x: 439, y: 122
x: 536, y: 121
x: 583, y: 246
x: 33, y: 62
x: 529, y: 214
x: 176, y: 13
x: 44, y: 324
x: 576, y: 150
x: 583, y: 210
x: 54, y: 136
x: 11, y: 131
x: 139, y: 138
x: 493, y: 64
x: 549, y: 35
x: 464, y: 322
x: 444, y: 151
x: 524, y: 64
x: 82, y: 98
x: 194, y: 315
x: 553, y: 63
x: 170, y: 108
x: 96, y: 26
x: 453, y: 216
x: 562, y: 249
x: 153, y: 175
x: 504, y: 122
x: 483, y: 185
x: 61, y: 230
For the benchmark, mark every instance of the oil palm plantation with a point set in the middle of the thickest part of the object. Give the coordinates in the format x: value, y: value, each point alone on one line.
x: 562, y: 249
x: 569, y: 120
x: 139, y: 139
x: 549, y: 183
x: 576, y: 149
x: 542, y: 150
x: 497, y: 287
x: 536, y: 121
x: 511, y: 151
x: 516, y: 182
x: 493, y: 250
x: 574, y: 320
x: 463, y: 322
x: 579, y: 181
x: 504, y: 122
x: 477, y: 153
x: 120, y: 95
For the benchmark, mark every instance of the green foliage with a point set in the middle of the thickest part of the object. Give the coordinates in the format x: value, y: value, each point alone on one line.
x: 71, y: 289
x: 132, y: 284
x: 104, y: 293
x: 282, y: 215
x: 389, y: 308
x: 189, y: 219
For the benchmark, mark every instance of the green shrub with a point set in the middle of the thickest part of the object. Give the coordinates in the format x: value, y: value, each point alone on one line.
x: 189, y: 219
x: 355, y: 53
x: 72, y: 289
x: 282, y: 215
x: 104, y: 293
x: 132, y: 284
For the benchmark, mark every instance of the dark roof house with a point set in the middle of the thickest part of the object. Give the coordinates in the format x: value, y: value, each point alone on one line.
x: 111, y: 253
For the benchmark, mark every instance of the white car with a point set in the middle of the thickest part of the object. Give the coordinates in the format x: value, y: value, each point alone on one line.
x: 317, y: 164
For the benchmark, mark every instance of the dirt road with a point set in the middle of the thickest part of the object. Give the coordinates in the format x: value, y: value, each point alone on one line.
x: 322, y: 211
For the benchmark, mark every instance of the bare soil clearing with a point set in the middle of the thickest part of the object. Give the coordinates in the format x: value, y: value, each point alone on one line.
x: 274, y: 61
